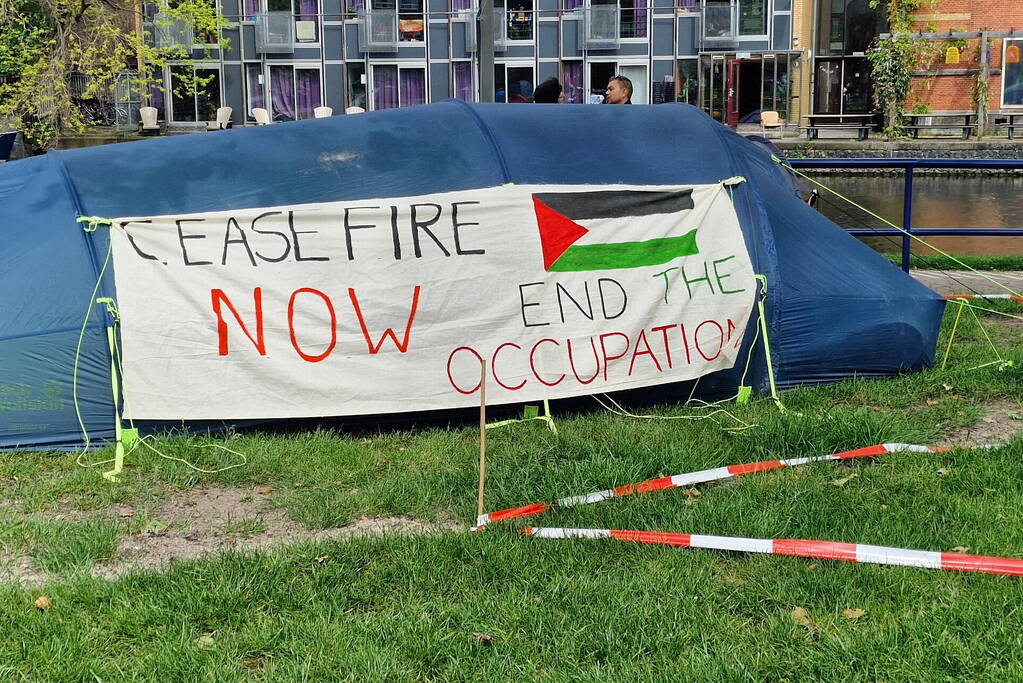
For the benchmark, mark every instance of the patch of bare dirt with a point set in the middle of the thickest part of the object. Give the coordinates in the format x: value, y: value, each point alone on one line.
x: 199, y: 523
x: 1000, y: 422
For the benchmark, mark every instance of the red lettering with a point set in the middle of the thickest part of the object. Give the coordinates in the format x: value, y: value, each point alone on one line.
x: 532, y: 365
x: 596, y: 362
x: 721, y: 339
x: 291, y: 324
x: 219, y: 296
x: 685, y: 343
x: 452, y: 379
x: 732, y: 328
x: 603, y: 349
x: 636, y: 352
x: 663, y: 329
x: 403, y: 344
x: 493, y: 367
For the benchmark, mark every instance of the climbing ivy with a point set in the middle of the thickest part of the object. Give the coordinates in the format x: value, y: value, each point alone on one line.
x: 894, y: 59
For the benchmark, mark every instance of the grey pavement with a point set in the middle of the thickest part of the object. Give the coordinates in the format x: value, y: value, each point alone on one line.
x: 969, y: 282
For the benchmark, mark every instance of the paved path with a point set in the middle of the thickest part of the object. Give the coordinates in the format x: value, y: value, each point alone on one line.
x: 969, y: 282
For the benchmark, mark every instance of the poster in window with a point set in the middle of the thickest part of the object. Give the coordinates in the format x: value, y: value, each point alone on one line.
x: 1012, y: 77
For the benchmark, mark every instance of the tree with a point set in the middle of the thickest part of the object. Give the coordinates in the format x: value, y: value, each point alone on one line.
x: 50, y: 40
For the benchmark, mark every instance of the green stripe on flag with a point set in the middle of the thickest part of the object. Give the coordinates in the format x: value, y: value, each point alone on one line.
x: 625, y: 254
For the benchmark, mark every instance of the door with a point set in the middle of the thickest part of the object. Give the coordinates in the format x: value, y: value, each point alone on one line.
x: 733, y: 92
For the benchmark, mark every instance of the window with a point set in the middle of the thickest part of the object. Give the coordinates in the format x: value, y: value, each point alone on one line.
x: 572, y: 83
x: 356, y: 73
x: 411, y: 21
x: 398, y: 86
x: 1012, y: 74
x: 513, y: 83
x: 632, y: 16
x: 519, y: 18
x: 461, y: 78
x: 294, y: 92
x: 726, y: 19
x: 847, y: 27
x: 717, y: 19
x: 254, y: 91
x: 687, y: 82
x: 194, y: 93
x: 753, y: 17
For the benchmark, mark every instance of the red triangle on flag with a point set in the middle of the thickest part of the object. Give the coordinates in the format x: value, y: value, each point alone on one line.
x: 557, y: 233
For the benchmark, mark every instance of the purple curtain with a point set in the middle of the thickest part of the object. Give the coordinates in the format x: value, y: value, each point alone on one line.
x: 457, y: 5
x: 357, y: 4
x: 385, y: 87
x: 463, y: 81
x: 307, y: 10
x: 156, y: 100
x: 572, y: 4
x: 307, y: 85
x: 252, y: 73
x: 249, y: 9
x: 413, y: 87
x: 572, y: 82
x: 689, y: 5
x: 282, y: 93
x: 640, y: 15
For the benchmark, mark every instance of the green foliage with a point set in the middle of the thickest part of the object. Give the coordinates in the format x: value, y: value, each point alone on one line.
x: 50, y: 41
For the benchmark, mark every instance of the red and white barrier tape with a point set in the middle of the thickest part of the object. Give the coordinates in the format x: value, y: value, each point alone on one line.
x: 794, y: 547
x: 1012, y: 297
x: 691, y: 478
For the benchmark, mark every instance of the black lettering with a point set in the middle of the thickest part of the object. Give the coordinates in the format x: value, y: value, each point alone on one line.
x: 131, y: 240
x: 524, y: 305
x: 455, y: 225
x: 349, y: 227
x: 603, y: 297
x: 394, y: 233
x: 182, y: 237
x: 243, y: 241
x: 589, y: 302
x: 294, y: 236
x: 287, y: 242
x: 418, y: 225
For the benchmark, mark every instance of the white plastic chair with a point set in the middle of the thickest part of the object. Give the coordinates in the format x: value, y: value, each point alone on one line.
x: 261, y: 115
x: 354, y: 110
x: 769, y: 121
x: 322, y: 112
x: 148, y: 125
x: 223, y: 120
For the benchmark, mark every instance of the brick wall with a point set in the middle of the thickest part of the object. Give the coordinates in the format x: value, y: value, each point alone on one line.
x: 948, y: 92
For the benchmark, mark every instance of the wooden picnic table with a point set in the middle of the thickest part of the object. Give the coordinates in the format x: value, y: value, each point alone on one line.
x: 861, y: 123
x: 1011, y: 126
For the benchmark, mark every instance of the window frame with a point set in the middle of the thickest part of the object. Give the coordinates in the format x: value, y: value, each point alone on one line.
x: 293, y: 65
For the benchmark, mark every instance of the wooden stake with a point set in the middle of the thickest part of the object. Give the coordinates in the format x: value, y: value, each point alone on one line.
x: 483, y: 435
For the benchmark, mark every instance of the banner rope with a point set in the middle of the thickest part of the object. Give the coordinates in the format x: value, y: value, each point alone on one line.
x: 798, y: 547
x: 893, y: 225
x: 126, y: 440
x: 701, y: 477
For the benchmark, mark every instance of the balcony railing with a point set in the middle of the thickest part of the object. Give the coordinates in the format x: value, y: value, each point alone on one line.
x: 599, y: 28
x: 275, y: 32
x: 500, y: 30
x: 169, y: 32
x: 378, y: 30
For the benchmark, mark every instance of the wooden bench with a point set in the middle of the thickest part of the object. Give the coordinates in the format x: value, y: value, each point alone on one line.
x: 1011, y: 127
x: 862, y: 130
x: 915, y: 129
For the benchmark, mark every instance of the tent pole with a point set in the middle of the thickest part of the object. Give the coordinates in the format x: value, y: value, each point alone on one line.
x: 483, y: 436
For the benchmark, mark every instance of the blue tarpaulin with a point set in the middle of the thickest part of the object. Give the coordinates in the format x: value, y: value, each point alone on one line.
x: 835, y: 308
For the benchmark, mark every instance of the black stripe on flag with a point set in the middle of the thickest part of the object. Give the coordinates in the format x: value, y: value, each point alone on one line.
x: 616, y: 203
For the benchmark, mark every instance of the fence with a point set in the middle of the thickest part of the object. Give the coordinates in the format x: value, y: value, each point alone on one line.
x: 910, y: 165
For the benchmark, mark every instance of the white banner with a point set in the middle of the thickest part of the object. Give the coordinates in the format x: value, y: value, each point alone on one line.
x: 390, y: 305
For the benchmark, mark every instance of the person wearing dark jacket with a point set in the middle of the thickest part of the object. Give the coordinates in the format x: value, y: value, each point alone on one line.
x: 549, y: 92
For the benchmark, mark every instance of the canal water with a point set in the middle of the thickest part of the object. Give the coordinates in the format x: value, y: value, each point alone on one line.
x: 939, y: 201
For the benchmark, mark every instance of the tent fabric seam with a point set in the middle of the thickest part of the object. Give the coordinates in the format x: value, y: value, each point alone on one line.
x: 505, y: 173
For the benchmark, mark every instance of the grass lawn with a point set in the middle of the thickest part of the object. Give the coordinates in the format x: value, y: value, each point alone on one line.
x: 452, y: 605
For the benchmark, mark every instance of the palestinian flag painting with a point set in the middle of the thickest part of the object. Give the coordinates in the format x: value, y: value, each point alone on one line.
x: 614, y: 229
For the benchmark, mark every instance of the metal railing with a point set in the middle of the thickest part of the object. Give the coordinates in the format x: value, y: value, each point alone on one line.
x: 909, y: 165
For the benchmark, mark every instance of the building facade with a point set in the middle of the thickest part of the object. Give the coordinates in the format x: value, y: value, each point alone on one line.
x: 730, y: 57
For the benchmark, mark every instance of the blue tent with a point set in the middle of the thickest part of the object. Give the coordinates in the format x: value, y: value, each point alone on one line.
x: 835, y: 307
